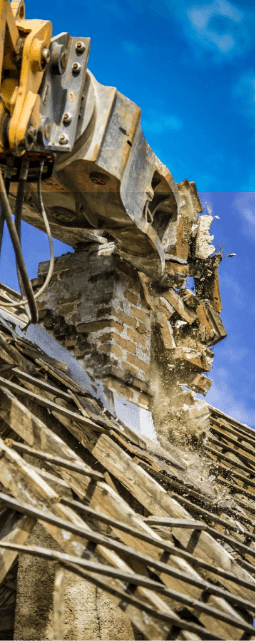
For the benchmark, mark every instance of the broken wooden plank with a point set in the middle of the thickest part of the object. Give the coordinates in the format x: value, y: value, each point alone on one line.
x: 27, y: 484
x: 177, y: 303
x: 240, y: 455
x: 32, y: 429
x: 232, y: 421
x: 13, y: 356
x: 41, y: 400
x: 230, y: 439
x: 16, y: 532
x: 161, y: 520
x: 132, y: 579
x: 55, y: 460
x: 39, y: 382
x: 36, y: 353
x: 221, y: 456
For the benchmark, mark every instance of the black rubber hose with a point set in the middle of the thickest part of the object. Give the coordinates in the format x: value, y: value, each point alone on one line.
x: 18, y: 211
x: 20, y: 195
x: 7, y: 183
x: 6, y: 210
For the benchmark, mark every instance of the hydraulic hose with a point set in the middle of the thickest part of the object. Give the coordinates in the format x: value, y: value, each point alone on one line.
x: 7, y: 181
x: 22, y: 302
x: 6, y: 209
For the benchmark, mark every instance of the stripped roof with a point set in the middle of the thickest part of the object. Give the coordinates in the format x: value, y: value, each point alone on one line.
x: 196, y: 558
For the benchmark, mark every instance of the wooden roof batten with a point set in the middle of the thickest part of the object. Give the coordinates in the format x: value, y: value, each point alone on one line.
x: 196, y: 558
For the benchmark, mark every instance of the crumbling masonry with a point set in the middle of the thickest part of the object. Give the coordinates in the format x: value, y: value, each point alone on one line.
x: 145, y: 339
x: 104, y: 533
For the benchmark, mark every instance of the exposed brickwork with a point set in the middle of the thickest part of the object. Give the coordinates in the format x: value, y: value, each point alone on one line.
x: 95, y: 306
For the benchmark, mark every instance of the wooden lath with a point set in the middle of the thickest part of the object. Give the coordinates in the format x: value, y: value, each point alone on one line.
x: 130, y: 462
x: 48, y: 435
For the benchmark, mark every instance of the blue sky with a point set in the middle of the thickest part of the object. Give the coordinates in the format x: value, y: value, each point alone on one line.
x: 190, y: 67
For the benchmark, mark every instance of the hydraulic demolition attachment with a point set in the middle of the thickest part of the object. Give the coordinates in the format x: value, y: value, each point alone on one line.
x: 58, y: 124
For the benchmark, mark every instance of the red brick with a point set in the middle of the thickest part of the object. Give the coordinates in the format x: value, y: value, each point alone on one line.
x: 126, y: 319
x: 134, y: 360
x: 132, y: 298
x: 121, y: 389
x: 136, y: 337
x: 143, y: 400
x: 95, y: 326
x: 138, y: 375
x: 109, y: 348
x: 127, y: 345
x: 141, y: 328
x: 141, y: 314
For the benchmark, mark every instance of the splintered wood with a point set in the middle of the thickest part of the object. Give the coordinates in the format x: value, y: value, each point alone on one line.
x: 118, y: 511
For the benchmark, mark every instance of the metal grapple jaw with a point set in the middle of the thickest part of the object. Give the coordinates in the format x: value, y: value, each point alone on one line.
x: 100, y: 173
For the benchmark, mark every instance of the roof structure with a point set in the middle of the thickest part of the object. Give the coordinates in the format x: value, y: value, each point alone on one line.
x: 166, y: 533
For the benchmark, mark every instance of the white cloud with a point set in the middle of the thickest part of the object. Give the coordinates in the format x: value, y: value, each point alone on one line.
x: 227, y: 400
x: 220, y: 27
x: 244, y: 204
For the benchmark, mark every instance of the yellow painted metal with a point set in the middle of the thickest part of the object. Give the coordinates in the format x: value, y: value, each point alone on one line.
x: 9, y: 37
x: 26, y: 110
x: 19, y: 91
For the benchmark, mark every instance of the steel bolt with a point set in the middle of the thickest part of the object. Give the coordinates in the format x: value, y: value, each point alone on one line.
x: 45, y: 56
x: 80, y: 47
x: 67, y: 117
x: 63, y: 139
x: 76, y: 67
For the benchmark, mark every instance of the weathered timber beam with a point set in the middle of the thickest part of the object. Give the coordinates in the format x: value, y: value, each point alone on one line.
x: 152, y: 496
x: 39, y: 382
x: 239, y: 435
x: 126, y: 598
x: 162, y: 520
x: 220, y: 432
x: 223, y: 457
x: 14, y: 532
x: 161, y: 543
x: 100, y: 539
x: 55, y: 460
x: 24, y: 483
x: 233, y: 421
x: 214, y: 517
x: 35, y: 432
x: 132, y: 579
x: 41, y: 400
x: 12, y: 355
x: 239, y: 455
